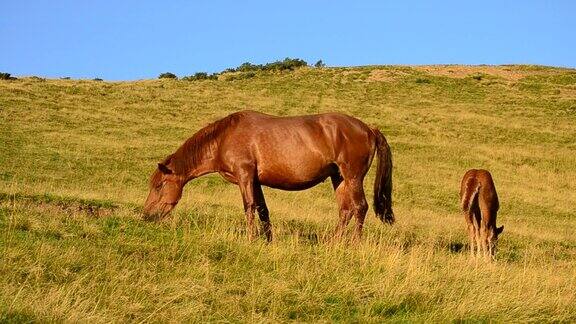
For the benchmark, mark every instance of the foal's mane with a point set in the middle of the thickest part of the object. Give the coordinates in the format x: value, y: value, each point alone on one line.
x: 196, y: 147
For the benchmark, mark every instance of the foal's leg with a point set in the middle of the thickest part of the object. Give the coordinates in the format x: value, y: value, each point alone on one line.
x: 484, y: 239
x: 477, y: 231
x: 490, y: 240
x: 246, y: 175
x: 488, y: 232
x: 472, y: 238
x: 263, y: 212
x: 468, y: 216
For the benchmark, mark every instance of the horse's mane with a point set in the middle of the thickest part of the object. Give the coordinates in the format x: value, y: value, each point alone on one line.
x: 194, y: 149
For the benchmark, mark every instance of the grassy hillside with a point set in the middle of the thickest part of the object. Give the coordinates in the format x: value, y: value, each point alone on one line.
x: 75, y: 157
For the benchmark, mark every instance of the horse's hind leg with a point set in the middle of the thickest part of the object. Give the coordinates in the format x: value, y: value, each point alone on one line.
x: 350, y: 192
x: 345, y: 205
x: 360, y: 207
x: 263, y: 212
x: 352, y: 202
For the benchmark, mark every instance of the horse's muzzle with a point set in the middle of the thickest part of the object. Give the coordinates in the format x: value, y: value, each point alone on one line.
x: 158, y: 213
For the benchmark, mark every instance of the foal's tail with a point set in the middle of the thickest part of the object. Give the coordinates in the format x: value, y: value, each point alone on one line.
x: 470, y: 199
x: 383, y: 181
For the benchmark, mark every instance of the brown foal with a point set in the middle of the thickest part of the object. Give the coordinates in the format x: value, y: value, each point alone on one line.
x: 480, y: 205
x: 252, y: 149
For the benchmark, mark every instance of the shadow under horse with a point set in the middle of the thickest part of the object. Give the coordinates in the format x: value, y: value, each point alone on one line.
x: 252, y: 149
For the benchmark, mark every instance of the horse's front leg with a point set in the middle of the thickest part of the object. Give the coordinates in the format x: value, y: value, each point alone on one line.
x: 246, y: 175
x: 263, y: 211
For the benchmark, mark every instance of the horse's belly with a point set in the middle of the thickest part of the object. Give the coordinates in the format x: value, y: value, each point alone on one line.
x: 294, y: 177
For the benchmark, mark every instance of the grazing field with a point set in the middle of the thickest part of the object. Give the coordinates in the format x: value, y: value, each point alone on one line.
x: 75, y: 157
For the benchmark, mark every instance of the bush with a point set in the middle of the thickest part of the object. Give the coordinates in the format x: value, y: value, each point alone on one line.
x: 65, y: 78
x: 167, y: 75
x: 422, y: 80
x: 319, y: 64
x: 287, y: 64
x: 6, y: 76
x: 201, y: 76
x: 97, y: 79
x: 247, y: 69
x: 244, y: 67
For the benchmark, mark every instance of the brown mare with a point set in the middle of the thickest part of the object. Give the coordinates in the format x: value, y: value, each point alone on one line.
x: 252, y: 149
x: 480, y: 206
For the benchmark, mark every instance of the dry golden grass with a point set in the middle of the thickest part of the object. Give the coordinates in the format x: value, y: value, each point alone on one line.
x: 75, y: 157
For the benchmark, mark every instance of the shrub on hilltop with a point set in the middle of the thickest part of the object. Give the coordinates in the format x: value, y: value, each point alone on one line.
x: 289, y: 64
x: 246, y: 69
x: 167, y: 75
x: 6, y: 76
x: 201, y: 76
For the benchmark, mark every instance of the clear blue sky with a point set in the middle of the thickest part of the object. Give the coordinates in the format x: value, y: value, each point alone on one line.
x: 126, y: 40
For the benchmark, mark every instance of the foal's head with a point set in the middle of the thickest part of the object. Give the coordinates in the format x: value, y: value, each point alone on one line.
x: 493, y: 239
x: 165, y: 191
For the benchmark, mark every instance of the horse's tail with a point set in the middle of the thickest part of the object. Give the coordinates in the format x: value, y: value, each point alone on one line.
x: 383, y: 181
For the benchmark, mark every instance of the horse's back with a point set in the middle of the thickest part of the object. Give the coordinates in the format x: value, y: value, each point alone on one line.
x: 328, y: 129
x: 298, y: 152
x: 333, y: 119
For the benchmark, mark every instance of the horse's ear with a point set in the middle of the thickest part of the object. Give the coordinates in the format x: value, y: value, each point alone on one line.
x: 164, y: 168
x: 499, y: 229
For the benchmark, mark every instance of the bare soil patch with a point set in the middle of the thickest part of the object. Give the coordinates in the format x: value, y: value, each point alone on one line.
x: 510, y: 73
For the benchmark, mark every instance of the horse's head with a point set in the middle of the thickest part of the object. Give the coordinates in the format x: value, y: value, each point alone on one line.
x: 165, y: 192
